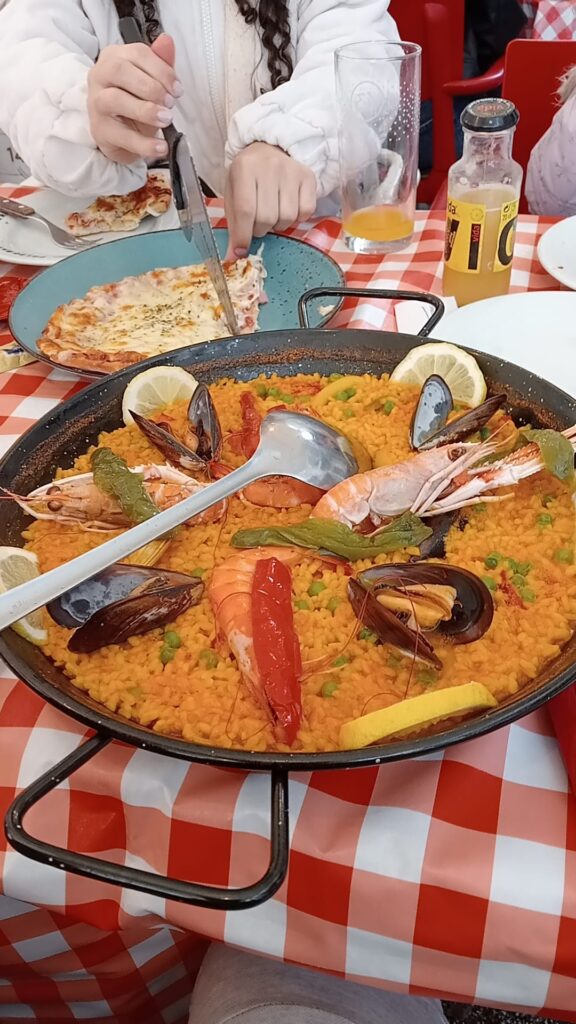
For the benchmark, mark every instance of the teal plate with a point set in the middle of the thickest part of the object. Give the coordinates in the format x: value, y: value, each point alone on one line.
x: 292, y: 266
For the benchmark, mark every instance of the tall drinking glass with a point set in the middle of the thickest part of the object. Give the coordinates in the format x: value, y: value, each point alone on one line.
x: 378, y: 93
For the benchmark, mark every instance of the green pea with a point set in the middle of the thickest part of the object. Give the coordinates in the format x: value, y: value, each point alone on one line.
x: 490, y: 582
x: 512, y: 564
x: 345, y: 395
x: 481, y: 506
x: 349, y: 414
x: 492, y: 561
x: 286, y: 399
x: 388, y: 407
x: 545, y: 519
x: 334, y: 376
x: 329, y: 688
x: 198, y: 571
x: 274, y: 392
x: 518, y: 581
x: 167, y: 654
x: 484, y: 433
x: 136, y: 691
x: 172, y: 639
x: 564, y: 555
x: 524, y: 568
x: 528, y: 595
x: 340, y: 660
x: 208, y: 659
x: 302, y: 605
x: 368, y: 635
x: 548, y: 500
x: 315, y: 588
x: 427, y: 677
x: 333, y: 604
x: 261, y: 390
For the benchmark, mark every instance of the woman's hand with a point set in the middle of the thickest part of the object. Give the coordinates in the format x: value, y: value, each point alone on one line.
x: 266, y: 190
x: 131, y: 92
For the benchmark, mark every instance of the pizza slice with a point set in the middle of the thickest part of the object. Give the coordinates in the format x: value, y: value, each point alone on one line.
x: 122, y: 213
x: 118, y: 324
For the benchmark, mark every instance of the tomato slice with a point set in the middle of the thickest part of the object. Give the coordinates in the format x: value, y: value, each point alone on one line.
x: 9, y: 289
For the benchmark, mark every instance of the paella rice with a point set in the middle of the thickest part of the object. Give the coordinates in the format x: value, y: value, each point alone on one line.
x: 522, y: 548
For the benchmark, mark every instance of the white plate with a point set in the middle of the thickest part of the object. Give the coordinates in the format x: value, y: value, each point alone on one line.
x: 536, y: 330
x: 30, y: 244
x: 557, y: 251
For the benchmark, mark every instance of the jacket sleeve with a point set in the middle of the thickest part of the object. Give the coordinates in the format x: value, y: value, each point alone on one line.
x: 551, y: 176
x: 46, y: 51
x: 301, y: 115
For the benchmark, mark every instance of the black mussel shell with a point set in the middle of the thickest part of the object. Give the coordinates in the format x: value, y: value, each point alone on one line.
x: 388, y: 627
x: 434, y: 407
x: 463, y: 426
x: 176, y: 453
x: 435, y: 545
x: 205, y: 424
x: 473, y: 608
x: 111, y: 586
x: 135, y: 615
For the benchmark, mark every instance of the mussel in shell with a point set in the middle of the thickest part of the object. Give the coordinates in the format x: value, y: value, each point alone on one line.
x: 204, y: 441
x: 402, y: 601
x: 123, y: 601
x: 434, y: 407
x: 176, y: 453
x: 463, y: 426
x: 205, y: 424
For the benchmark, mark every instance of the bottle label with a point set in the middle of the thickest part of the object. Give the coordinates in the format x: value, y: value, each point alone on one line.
x: 470, y: 231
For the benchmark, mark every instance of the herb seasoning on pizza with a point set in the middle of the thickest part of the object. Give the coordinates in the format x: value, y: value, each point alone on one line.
x: 121, y: 323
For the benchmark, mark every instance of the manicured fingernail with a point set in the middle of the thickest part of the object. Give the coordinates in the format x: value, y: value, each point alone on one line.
x: 177, y: 89
x: 240, y: 253
x: 169, y: 100
x: 164, y: 116
x: 161, y: 148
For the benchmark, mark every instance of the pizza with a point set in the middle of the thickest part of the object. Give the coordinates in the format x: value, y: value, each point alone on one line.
x: 123, y: 213
x: 118, y: 324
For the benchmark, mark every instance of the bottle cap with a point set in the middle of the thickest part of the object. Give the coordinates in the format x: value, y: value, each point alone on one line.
x: 490, y: 115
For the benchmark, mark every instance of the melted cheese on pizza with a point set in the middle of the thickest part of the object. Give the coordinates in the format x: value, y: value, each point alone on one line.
x: 143, y: 316
x: 123, y: 213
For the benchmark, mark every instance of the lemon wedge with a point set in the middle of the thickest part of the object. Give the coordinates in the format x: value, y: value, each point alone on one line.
x: 415, y: 713
x: 152, y: 390
x: 458, y: 368
x: 18, y: 566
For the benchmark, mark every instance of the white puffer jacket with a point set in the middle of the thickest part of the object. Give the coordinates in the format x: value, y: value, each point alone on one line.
x: 47, y: 49
x: 551, y: 175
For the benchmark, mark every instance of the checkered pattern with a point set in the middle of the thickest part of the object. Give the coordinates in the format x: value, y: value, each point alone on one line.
x: 554, y: 19
x: 454, y: 875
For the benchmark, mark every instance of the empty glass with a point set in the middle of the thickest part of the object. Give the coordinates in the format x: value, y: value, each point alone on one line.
x: 378, y: 93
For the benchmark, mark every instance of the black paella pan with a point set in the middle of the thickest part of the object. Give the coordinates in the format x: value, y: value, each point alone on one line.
x: 59, y: 437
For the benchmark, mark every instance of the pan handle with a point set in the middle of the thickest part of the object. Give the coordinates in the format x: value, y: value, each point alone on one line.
x: 374, y: 293
x: 212, y: 897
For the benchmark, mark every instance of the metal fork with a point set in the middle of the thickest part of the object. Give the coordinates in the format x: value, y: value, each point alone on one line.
x: 61, y: 237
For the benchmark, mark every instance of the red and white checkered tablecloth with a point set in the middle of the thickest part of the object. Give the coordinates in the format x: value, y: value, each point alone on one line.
x: 550, y: 19
x: 454, y: 875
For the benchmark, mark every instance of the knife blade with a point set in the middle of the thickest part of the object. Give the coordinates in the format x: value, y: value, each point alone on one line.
x: 188, y: 197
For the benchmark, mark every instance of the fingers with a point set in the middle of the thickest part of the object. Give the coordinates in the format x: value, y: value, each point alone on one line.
x: 119, y: 66
x: 266, y: 191
x: 113, y: 133
x: 114, y: 102
x: 165, y: 48
x: 240, y: 205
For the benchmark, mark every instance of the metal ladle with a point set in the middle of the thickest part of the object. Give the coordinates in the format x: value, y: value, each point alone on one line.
x: 291, y: 444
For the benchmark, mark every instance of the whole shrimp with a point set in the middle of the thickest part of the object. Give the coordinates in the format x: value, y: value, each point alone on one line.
x: 231, y: 593
x: 77, y: 500
x: 439, y: 480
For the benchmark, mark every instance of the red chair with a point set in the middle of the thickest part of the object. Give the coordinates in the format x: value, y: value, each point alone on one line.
x: 438, y: 27
x: 532, y: 70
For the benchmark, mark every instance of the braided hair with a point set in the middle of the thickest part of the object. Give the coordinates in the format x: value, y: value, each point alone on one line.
x: 272, y: 17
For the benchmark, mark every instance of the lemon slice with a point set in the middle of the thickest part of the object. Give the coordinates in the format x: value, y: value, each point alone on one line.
x: 415, y: 713
x: 458, y: 368
x: 154, y: 389
x: 18, y: 566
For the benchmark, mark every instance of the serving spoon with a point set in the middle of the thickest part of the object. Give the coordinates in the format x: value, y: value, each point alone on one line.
x: 291, y: 444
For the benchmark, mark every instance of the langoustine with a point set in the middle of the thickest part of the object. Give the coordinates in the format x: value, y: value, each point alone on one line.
x: 263, y: 642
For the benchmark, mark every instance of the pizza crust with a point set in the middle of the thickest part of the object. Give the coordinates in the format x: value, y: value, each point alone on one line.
x: 122, y: 213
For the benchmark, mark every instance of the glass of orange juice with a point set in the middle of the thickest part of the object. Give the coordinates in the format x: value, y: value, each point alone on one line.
x: 378, y: 96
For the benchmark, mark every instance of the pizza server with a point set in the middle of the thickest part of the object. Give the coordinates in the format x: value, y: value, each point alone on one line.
x: 188, y: 197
